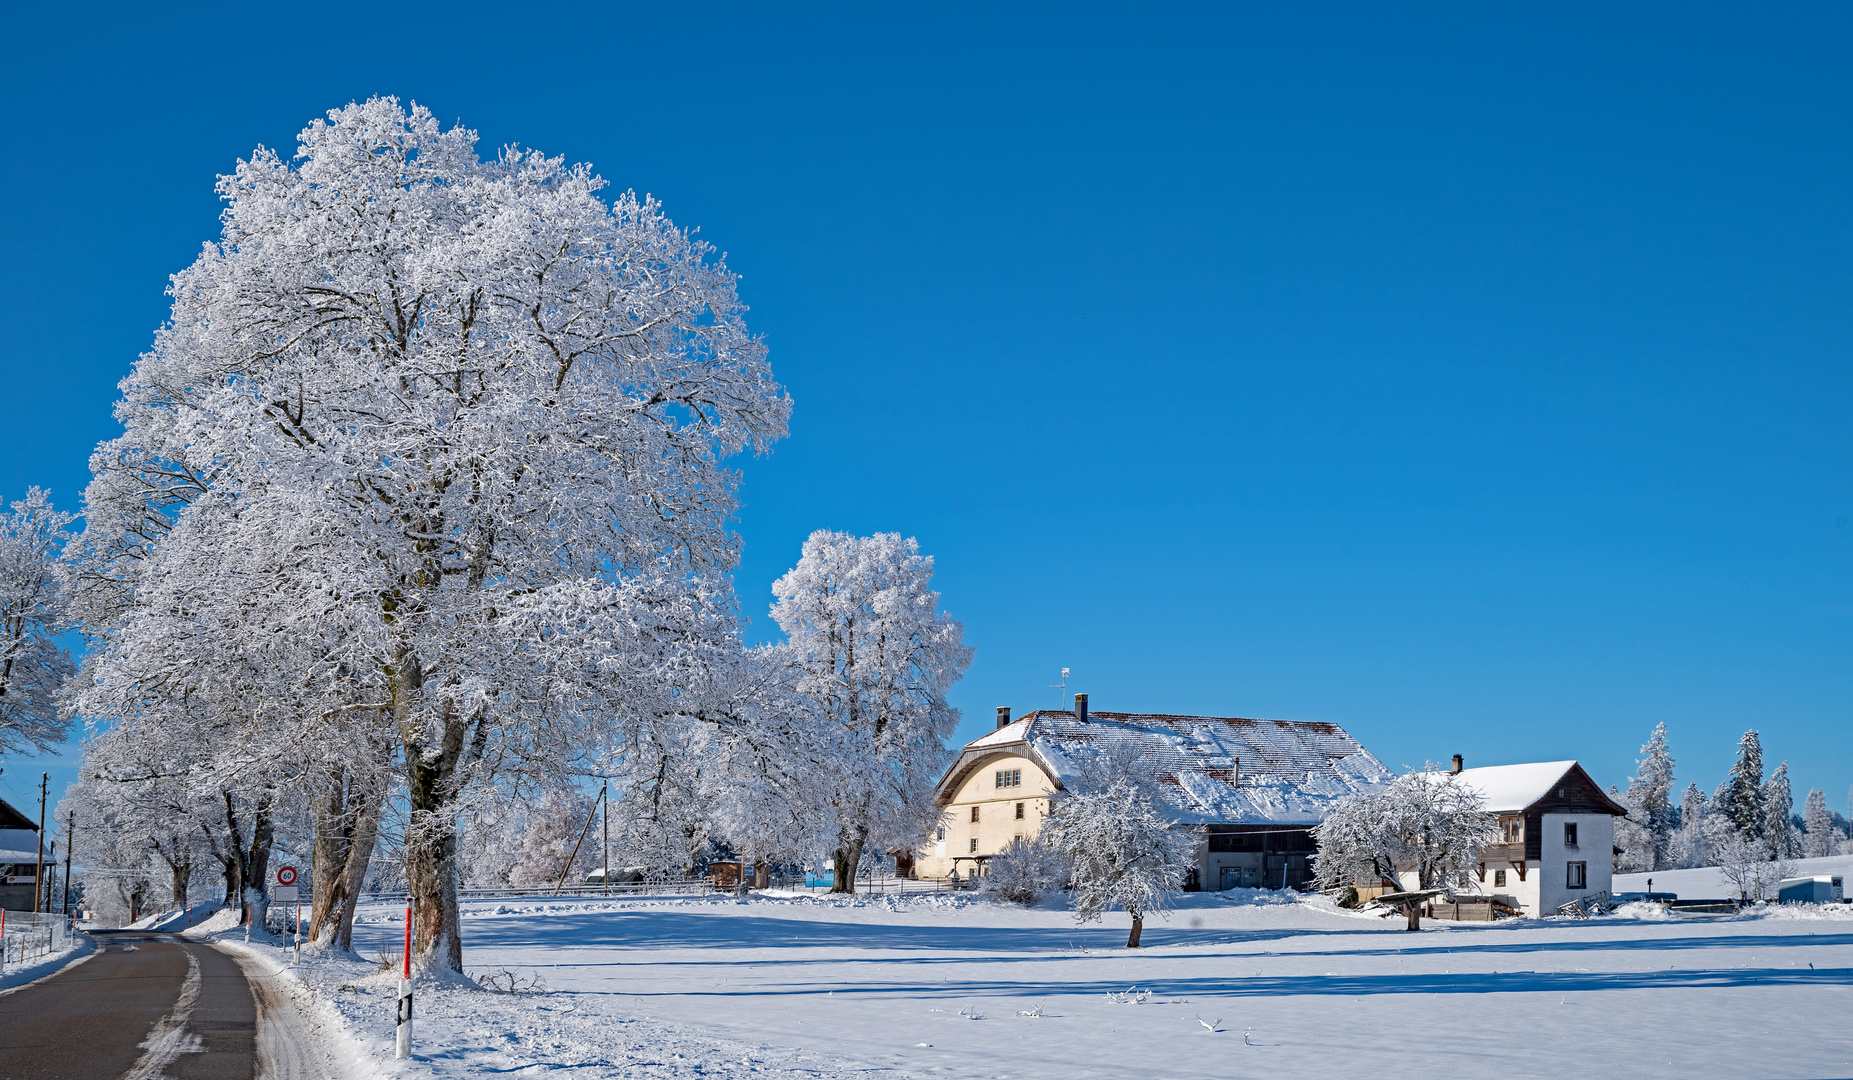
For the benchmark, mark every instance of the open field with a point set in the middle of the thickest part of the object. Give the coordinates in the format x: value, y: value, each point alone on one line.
x: 961, y: 987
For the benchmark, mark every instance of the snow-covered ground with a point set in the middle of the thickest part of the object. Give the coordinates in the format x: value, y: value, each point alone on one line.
x: 1707, y: 882
x: 962, y: 987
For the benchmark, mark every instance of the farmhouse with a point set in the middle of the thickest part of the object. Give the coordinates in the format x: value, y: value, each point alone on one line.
x: 19, y: 841
x: 1557, y: 832
x: 1255, y: 787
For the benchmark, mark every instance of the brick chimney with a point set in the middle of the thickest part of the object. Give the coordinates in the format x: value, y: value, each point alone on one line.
x: 1080, y: 707
x: 1003, y: 717
x: 1455, y: 771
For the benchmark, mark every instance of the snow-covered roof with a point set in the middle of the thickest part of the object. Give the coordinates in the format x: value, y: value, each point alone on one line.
x: 1212, y: 769
x: 1510, y: 788
x: 14, y: 857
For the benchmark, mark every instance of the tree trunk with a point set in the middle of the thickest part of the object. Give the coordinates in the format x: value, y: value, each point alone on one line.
x: 1132, y: 939
x: 1414, y: 911
x: 347, y: 827
x: 433, y: 780
x: 847, y: 859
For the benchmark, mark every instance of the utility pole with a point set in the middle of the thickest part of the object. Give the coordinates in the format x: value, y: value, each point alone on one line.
x: 604, y: 793
x: 38, y: 871
x: 70, y: 838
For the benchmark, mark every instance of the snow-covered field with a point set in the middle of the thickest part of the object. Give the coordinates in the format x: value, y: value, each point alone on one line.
x: 963, y: 987
x: 1707, y: 882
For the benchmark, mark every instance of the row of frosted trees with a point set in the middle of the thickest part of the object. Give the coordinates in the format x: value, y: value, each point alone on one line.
x: 421, y: 516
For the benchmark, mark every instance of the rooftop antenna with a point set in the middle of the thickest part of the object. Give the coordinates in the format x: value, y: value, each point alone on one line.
x: 1063, y: 687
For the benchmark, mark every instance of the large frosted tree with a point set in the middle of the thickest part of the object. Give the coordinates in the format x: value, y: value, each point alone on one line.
x: 33, y: 666
x: 874, y: 657
x: 1651, y: 791
x: 1121, y: 847
x: 470, y: 417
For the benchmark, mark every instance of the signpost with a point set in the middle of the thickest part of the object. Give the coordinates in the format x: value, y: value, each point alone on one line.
x: 286, y: 891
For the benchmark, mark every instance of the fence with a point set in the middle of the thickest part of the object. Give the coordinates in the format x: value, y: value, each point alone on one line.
x: 683, y: 887
x: 31, y: 935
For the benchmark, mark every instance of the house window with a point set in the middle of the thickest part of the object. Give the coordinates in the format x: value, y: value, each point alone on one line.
x: 1499, y: 879
x: 1569, y: 836
x: 1009, y: 778
x: 974, y: 845
x: 942, y: 832
x: 1019, y: 811
x: 1576, y: 875
x: 974, y: 813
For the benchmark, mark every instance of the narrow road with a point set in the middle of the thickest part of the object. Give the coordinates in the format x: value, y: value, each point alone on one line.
x: 146, y: 1006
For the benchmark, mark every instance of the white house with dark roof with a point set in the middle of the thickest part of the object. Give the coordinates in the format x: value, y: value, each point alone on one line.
x: 1557, y: 828
x: 1256, y: 787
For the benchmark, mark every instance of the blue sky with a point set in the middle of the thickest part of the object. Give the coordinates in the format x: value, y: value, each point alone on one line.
x: 1477, y: 381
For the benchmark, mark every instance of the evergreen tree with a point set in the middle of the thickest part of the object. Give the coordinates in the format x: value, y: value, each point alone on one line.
x: 1651, y: 791
x: 1740, y: 797
x: 1778, y: 804
x: 1689, y: 847
x: 1821, y: 837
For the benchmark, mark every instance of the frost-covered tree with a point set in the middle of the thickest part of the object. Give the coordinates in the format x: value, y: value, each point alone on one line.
x: 1123, y: 850
x: 550, y: 835
x: 1424, y: 831
x: 1740, y: 798
x: 1651, y: 792
x: 1778, y: 831
x: 1025, y: 868
x: 1690, y: 847
x: 469, y: 418
x: 1633, y: 841
x: 876, y: 657
x: 1820, y: 837
x: 1745, y: 862
x: 33, y: 666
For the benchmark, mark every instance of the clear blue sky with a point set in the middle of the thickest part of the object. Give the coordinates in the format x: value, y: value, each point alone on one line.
x: 1476, y: 381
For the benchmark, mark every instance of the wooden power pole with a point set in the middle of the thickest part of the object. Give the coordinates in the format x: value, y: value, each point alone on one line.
x: 38, y: 872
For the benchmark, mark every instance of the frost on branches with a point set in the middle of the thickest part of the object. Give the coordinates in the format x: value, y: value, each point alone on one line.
x: 873, y: 658
x: 445, y: 436
x: 1123, y: 851
x: 1423, y: 832
x: 1025, y: 868
x: 32, y: 664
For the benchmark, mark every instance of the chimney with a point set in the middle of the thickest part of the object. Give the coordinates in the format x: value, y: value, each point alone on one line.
x: 1455, y: 771
x: 1080, y: 707
x: 1003, y: 717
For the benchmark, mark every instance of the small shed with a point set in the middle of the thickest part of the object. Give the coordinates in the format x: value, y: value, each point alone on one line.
x: 1819, y: 889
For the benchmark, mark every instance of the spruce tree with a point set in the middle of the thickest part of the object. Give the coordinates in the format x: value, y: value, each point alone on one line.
x: 1651, y: 790
x: 1820, y: 836
x: 1740, y: 798
x: 1778, y: 804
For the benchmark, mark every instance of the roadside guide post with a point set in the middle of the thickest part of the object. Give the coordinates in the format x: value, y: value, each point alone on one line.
x: 405, y: 992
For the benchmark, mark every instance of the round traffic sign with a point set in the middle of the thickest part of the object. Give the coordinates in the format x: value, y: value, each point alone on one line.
x: 286, y: 876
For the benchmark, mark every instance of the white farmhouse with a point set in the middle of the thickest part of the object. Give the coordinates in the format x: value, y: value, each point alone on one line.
x: 1558, y: 832
x: 1255, y: 788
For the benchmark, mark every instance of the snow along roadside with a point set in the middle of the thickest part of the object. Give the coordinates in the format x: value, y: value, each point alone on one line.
x: 299, y: 1036
x: 20, y: 976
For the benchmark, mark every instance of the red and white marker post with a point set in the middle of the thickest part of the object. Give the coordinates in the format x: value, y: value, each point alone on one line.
x: 405, y: 992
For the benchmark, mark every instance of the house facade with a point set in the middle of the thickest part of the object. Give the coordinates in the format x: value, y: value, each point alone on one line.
x: 1557, y: 834
x: 1255, y: 788
x: 19, y: 853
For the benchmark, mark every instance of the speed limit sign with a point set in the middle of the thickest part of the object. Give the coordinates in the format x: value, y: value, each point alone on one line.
x: 286, y: 875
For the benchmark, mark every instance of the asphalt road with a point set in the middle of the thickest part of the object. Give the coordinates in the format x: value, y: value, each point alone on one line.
x: 145, y: 1006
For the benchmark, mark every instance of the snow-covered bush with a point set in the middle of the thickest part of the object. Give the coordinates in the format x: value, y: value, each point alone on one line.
x: 1024, y: 869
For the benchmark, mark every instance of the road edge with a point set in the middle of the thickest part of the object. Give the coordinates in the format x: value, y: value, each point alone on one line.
x: 298, y: 1037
